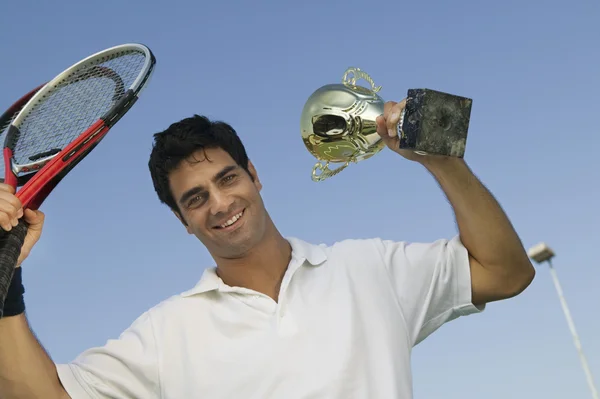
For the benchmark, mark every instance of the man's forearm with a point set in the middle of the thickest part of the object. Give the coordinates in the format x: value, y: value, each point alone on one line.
x: 26, y: 370
x: 484, y: 228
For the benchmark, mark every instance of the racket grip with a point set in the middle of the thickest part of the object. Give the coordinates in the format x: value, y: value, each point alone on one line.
x: 11, y: 243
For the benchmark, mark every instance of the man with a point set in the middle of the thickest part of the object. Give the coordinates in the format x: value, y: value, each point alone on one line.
x: 277, y: 317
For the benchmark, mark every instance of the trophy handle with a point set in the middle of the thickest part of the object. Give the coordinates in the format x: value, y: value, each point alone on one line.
x: 357, y: 74
x: 325, y: 171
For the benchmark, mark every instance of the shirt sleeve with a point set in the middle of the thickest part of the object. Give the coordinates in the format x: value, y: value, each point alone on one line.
x: 432, y: 282
x: 124, y: 368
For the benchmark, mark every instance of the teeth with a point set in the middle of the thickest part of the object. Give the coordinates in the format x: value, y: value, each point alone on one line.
x: 232, y: 220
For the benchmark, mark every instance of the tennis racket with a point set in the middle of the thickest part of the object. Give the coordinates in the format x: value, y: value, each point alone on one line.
x: 60, y: 125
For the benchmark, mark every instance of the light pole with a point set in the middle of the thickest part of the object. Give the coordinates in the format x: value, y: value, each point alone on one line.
x: 542, y: 253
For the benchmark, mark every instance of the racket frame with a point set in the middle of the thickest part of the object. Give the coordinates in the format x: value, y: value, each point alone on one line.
x: 49, y: 170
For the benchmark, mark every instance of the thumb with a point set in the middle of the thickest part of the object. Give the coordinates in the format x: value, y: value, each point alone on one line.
x: 34, y: 219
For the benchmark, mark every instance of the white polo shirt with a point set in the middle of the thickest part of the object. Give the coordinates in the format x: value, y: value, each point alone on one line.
x: 347, y: 318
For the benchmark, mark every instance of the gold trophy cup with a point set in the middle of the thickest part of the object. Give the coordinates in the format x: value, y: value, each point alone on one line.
x: 338, y: 123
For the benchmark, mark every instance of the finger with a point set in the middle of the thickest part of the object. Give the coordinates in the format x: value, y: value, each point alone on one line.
x: 9, y: 214
x: 11, y: 199
x: 394, y: 118
x: 7, y: 188
x: 6, y: 222
x: 381, y: 128
x: 11, y: 208
x: 387, y: 108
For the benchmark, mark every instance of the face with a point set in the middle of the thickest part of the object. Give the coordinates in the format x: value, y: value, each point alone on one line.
x: 219, y: 202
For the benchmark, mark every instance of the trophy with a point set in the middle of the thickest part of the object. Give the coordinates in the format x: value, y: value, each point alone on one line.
x: 338, y: 123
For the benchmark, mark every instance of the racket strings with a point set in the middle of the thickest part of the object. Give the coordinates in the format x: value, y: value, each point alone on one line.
x: 74, y: 104
x: 3, y: 128
x: 4, y: 125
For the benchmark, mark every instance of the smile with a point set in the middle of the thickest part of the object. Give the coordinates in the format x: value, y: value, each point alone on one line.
x: 234, y: 219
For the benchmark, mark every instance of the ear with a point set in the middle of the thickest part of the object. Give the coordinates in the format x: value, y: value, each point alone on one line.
x: 183, y: 222
x: 254, y: 174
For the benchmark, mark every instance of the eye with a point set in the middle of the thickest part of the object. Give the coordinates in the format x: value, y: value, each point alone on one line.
x: 195, y: 200
x: 229, y: 179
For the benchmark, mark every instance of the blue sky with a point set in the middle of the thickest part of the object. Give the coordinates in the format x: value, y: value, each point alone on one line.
x: 110, y: 251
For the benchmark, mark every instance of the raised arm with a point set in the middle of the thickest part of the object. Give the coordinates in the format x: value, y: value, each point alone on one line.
x: 499, y: 264
x: 26, y: 370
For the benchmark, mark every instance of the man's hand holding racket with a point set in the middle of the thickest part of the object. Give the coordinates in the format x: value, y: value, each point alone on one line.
x: 11, y: 210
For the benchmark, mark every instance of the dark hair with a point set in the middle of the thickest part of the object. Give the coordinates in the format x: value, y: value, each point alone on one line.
x: 181, y: 140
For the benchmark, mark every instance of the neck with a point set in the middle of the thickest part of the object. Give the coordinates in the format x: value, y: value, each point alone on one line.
x: 262, y: 268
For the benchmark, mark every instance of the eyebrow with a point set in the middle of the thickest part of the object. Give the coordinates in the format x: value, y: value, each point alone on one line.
x: 200, y: 189
x: 224, y: 172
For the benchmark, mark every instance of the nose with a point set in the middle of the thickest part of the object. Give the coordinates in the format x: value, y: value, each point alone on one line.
x: 220, y: 203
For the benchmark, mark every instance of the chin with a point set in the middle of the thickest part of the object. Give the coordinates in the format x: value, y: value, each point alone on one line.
x: 239, y: 247
x: 238, y: 243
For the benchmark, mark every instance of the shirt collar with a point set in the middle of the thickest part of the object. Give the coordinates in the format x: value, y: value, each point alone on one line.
x: 302, y: 251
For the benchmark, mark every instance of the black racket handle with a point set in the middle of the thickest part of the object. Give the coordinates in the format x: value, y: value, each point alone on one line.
x: 11, y: 243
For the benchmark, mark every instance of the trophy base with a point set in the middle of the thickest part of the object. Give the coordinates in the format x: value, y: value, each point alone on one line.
x: 435, y: 123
